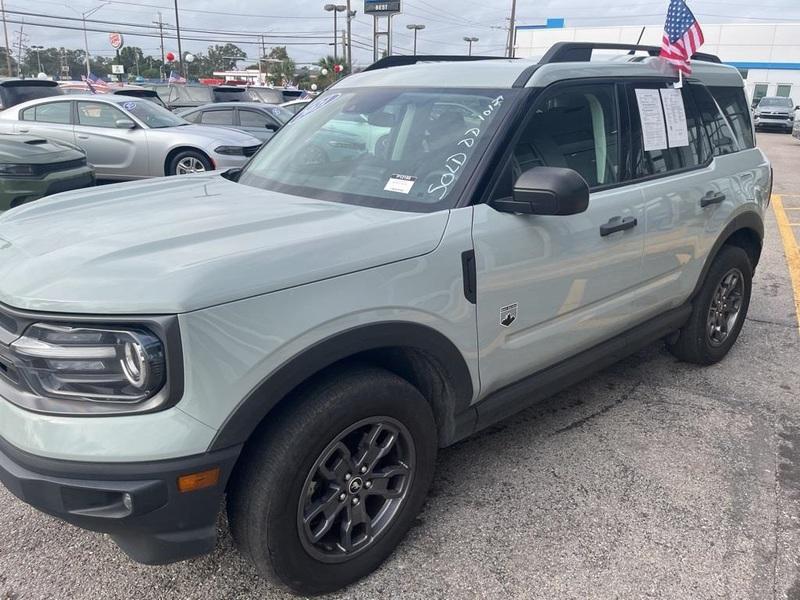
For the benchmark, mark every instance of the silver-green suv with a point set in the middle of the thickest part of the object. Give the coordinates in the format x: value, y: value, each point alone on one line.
x: 429, y: 247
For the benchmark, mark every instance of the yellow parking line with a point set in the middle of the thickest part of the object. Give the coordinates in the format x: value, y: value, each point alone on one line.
x: 791, y: 250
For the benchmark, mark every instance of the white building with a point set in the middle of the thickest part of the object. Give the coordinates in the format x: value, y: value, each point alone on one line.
x: 767, y: 54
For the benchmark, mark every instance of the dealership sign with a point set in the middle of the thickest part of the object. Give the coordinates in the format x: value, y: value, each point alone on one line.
x: 382, y: 7
x: 116, y: 40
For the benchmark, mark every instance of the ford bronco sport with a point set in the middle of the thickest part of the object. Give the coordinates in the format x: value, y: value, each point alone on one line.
x: 430, y: 247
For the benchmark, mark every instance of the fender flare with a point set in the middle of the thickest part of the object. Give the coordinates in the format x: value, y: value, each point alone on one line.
x: 251, y: 411
x: 747, y: 220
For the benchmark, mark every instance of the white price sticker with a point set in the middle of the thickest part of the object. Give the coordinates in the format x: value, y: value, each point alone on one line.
x: 677, y: 131
x: 401, y: 184
x: 654, y: 131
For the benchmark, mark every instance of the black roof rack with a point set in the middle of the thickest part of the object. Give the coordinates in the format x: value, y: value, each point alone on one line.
x: 400, y: 61
x: 582, y: 52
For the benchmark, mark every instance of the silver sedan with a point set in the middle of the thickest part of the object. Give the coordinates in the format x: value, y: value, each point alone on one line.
x: 130, y: 138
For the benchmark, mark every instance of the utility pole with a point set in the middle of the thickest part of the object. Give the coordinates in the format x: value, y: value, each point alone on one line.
x: 178, y: 32
x: 160, y: 24
x: 19, y: 53
x: 262, y: 80
x: 349, y: 50
x: 512, y: 30
x: 5, y: 32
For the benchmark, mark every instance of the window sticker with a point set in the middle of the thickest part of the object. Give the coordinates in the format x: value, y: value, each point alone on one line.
x: 654, y: 130
x: 401, y: 184
x: 677, y: 130
x: 129, y: 105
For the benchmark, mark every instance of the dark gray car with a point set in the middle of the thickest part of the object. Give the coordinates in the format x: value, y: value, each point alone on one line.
x: 258, y: 119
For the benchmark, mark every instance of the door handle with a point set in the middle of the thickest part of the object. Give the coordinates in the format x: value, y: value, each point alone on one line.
x: 83, y: 137
x: 618, y: 224
x: 24, y: 130
x: 712, y: 198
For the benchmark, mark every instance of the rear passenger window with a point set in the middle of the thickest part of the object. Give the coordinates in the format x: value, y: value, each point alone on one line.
x: 218, y: 117
x: 576, y: 128
x: 641, y: 163
x: 733, y: 103
x: 722, y: 139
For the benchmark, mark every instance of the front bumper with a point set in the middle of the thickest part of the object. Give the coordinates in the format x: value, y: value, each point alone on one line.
x: 15, y: 191
x: 159, y: 525
x: 767, y: 123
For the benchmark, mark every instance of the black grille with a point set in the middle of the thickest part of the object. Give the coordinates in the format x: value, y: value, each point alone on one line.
x: 250, y: 150
x: 59, y: 166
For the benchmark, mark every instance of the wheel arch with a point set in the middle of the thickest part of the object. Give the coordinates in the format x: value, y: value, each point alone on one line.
x: 177, y: 150
x: 419, y: 354
x: 746, y: 231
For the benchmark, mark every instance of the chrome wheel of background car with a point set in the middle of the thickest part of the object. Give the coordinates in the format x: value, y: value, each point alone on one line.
x: 355, y: 489
x: 726, y: 304
x: 190, y: 164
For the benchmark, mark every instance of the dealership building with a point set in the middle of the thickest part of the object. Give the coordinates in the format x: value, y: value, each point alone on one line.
x: 767, y: 54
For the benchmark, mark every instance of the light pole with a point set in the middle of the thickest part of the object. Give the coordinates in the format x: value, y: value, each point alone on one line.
x: 178, y: 34
x: 335, y: 8
x: 415, y: 28
x: 351, y: 14
x: 83, y: 15
x: 470, y: 41
x: 38, y: 57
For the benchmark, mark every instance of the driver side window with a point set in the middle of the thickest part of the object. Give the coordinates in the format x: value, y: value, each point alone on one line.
x: 573, y: 127
x: 95, y: 114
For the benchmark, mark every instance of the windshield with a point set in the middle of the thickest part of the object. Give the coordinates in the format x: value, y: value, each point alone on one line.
x: 151, y: 114
x: 782, y: 102
x: 266, y: 95
x: 16, y: 94
x: 197, y: 93
x: 390, y: 148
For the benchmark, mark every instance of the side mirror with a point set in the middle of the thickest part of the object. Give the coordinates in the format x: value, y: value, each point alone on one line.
x: 271, y: 126
x: 124, y: 124
x: 547, y: 191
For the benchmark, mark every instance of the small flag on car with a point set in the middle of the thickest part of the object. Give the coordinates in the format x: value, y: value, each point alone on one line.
x: 94, y: 83
x: 175, y: 78
x: 682, y: 36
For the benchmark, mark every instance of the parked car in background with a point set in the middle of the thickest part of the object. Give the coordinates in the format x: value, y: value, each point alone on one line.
x: 135, y: 91
x: 14, y: 91
x: 775, y: 112
x: 295, y: 106
x: 128, y: 138
x: 32, y: 167
x: 257, y: 119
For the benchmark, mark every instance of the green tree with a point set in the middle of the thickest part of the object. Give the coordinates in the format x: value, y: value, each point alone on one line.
x: 282, y: 72
x: 223, y: 57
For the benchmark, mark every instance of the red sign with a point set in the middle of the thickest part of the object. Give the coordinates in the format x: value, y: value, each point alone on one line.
x: 116, y: 40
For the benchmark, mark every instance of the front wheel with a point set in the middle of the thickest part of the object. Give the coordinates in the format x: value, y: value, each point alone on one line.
x: 189, y: 161
x: 719, y: 310
x: 328, y: 490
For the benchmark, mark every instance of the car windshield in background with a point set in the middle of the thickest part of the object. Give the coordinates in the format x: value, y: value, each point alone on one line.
x: 782, y: 102
x: 389, y: 148
x: 280, y: 113
x: 17, y: 94
x: 152, y: 115
x: 197, y: 93
x: 266, y: 95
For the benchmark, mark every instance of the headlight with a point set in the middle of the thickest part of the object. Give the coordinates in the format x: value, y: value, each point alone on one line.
x: 91, y: 364
x: 11, y: 170
x: 230, y: 150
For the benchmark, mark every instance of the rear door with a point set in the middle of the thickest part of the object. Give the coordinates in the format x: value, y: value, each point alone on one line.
x: 218, y: 116
x: 257, y: 123
x: 551, y: 286
x: 52, y: 120
x: 115, y: 153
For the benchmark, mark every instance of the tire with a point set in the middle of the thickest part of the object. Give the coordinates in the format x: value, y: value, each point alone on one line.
x: 279, y: 467
x: 181, y: 163
x: 701, y: 341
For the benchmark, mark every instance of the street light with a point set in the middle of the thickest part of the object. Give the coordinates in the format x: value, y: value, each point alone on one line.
x: 83, y: 15
x: 335, y: 8
x: 38, y: 57
x: 416, y: 28
x: 470, y: 41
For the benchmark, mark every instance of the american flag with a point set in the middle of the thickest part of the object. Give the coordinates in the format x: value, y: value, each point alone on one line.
x: 94, y: 83
x: 682, y: 36
x: 175, y: 78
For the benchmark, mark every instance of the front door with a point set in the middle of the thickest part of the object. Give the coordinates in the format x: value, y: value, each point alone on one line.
x: 550, y: 286
x: 116, y: 153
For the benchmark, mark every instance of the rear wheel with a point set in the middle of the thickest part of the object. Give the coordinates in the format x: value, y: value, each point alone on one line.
x: 719, y: 310
x: 189, y: 161
x: 328, y: 490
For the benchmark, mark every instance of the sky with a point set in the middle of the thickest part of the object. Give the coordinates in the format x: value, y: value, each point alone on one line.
x: 308, y: 29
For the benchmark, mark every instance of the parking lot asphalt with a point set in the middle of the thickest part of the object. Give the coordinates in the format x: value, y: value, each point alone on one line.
x: 653, y: 479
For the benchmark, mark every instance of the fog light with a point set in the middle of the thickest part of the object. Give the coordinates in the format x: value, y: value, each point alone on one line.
x: 127, y: 501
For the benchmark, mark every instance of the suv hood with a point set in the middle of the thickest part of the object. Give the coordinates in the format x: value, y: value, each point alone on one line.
x: 33, y: 150
x: 179, y: 244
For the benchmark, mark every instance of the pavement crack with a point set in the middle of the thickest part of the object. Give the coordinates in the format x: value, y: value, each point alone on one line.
x: 582, y: 421
x: 777, y: 323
